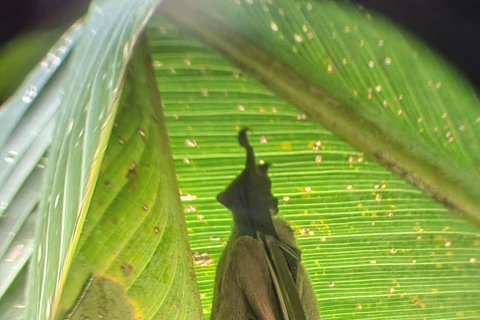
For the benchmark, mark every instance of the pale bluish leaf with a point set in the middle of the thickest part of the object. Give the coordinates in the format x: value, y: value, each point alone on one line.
x: 89, y: 96
x: 13, y: 110
x: 12, y: 305
x: 20, y: 209
x: 27, y: 119
x: 18, y: 254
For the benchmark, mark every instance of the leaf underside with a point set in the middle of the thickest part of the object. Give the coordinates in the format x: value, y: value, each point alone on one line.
x: 377, y: 88
x: 374, y: 246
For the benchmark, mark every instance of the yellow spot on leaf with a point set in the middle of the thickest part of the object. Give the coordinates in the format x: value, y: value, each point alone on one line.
x: 137, y: 311
x: 306, y: 196
x: 286, y: 146
x: 323, y: 227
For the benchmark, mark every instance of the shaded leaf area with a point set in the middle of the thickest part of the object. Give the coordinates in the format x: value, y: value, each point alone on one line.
x: 17, y: 229
x: 361, y: 78
x: 88, y: 99
x: 102, y: 298
x: 19, y: 252
x: 135, y: 231
x: 374, y: 246
x: 12, y: 305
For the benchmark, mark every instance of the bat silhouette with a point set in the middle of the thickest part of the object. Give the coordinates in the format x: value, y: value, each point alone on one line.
x: 259, y: 275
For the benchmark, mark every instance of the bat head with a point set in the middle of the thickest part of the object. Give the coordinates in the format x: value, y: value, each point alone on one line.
x: 250, y: 197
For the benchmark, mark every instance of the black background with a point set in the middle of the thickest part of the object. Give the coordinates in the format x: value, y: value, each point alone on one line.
x: 452, y: 27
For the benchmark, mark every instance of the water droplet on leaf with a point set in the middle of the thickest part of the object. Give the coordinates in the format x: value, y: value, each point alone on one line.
x: 11, y: 155
x: 30, y: 94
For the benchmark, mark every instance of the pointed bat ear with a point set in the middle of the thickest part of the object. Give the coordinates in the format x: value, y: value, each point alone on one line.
x: 223, y: 199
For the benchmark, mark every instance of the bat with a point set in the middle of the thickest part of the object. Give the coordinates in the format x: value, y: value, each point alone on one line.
x: 259, y: 275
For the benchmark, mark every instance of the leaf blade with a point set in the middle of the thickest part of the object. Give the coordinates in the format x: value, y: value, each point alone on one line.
x: 312, y: 78
x: 135, y: 233
x: 347, y: 212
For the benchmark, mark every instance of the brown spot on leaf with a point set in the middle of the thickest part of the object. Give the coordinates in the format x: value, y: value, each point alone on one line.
x: 127, y: 269
x: 132, y: 171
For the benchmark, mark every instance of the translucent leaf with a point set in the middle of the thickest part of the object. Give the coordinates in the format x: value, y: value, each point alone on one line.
x: 374, y: 246
x: 361, y: 78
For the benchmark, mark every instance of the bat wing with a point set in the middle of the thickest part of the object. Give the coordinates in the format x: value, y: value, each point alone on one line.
x: 279, y: 257
x: 254, y: 281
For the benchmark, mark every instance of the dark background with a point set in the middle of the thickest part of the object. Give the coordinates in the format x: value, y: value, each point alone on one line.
x: 452, y: 27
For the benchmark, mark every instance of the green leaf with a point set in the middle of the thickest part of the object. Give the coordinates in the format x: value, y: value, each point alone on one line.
x: 135, y: 230
x: 91, y: 90
x: 378, y: 89
x: 374, y: 246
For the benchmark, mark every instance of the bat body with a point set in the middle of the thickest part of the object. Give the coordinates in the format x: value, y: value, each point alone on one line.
x: 259, y: 275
